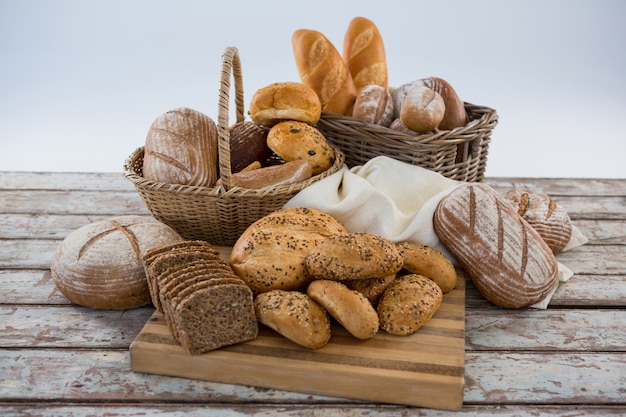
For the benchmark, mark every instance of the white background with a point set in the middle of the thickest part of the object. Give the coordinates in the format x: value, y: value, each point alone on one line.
x: 81, y: 81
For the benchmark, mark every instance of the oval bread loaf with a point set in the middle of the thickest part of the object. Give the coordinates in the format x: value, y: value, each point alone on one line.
x: 349, y: 307
x: 295, y: 316
x: 100, y: 265
x: 181, y: 148
x: 353, y: 256
x: 408, y: 303
x: 547, y: 217
x: 429, y: 262
x: 270, y: 253
x: 505, y: 257
x: 374, y: 105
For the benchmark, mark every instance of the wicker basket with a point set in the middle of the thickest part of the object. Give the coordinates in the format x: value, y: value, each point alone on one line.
x: 218, y: 214
x: 459, y: 154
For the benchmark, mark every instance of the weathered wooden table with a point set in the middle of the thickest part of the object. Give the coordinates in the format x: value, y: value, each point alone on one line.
x: 58, y: 359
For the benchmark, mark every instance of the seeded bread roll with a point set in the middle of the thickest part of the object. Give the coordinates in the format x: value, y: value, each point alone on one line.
x: 408, y: 303
x: 371, y: 288
x: 374, y: 105
x: 285, y: 101
x: 349, y: 307
x: 429, y: 262
x: 547, y: 217
x: 353, y: 256
x: 100, y: 264
x: 270, y: 253
x: 295, y: 316
x: 181, y: 148
x: 506, y: 259
x: 293, y: 140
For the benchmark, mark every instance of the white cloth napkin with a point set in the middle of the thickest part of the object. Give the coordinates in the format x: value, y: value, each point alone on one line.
x: 392, y: 199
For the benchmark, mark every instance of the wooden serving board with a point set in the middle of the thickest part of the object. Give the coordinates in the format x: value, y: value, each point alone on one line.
x: 425, y: 369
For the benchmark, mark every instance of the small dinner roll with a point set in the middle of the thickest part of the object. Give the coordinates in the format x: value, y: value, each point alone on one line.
x: 408, y: 303
x: 349, y: 307
x: 285, y: 101
x: 295, y: 316
x: 429, y: 262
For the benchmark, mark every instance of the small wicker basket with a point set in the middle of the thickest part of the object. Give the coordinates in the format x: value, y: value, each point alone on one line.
x: 222, y: 213
x: 459, y: 154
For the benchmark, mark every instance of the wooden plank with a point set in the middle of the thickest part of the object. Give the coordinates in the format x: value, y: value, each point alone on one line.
x: 157, y: 409
x: 592, y: 380
x: 29, y: 287
x: 67, y: 327
x: 112, y: 203
x: 423, y: 369
x: 11, y: 180
x: 545, y: 378
x: 546, y: 330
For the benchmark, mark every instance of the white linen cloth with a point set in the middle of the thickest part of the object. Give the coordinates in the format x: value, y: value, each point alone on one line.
x: 392, y: 199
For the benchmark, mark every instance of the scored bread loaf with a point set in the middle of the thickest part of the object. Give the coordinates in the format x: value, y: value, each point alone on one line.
x: 100, y: 264
x: 181, y: 148
x: 364, y: 54
x: 506, y: 259
x: 547, y: 217
x: 374, y: 105
x: 323, y: 69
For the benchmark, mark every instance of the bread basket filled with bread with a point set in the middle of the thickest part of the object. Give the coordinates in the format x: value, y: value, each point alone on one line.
x: 193, y: 187
x: 423, y: 122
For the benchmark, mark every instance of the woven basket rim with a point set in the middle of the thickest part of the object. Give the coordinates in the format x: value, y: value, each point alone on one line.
x: 219, y: 190
x: 454, y: 136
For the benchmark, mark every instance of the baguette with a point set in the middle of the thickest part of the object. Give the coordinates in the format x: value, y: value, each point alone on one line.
x: 322, y: 68
x: 364, y: 54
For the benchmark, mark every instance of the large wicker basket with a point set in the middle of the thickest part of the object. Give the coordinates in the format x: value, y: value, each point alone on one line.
x: 218, y: 214
x: 459, y: 154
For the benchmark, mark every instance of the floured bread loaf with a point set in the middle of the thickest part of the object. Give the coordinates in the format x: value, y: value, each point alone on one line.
x: 100, y: 264
x: 547, y: 217
x: 270, y: 253
x: 181, y: 148
x: 505, y: 257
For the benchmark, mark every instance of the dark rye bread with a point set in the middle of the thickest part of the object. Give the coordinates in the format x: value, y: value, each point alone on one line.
x: 547, y: 217
x: 504, y: 256
x: 215, y: 316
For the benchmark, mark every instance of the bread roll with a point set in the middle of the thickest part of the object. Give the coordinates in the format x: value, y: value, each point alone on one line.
x: 455, y: 114
x: 422, y: 110
x: 181, y: 148
x: 547, y: 217
x: 248, y: 144
x: 364, y: 54
x: 322, y: 68
x: 100, y: 264
x: 400, y: 127
x: 295, y: 316
x: 270, y: 253
x: 374, y: 105
x: 505, y: 257
x: 408, y: 303
x: 273, y: 176
x: 285, y: 101
x: 371, y: 288
x: 353, y: 256
x: 429, y: 262
x: 293, y: 140
x: 350, y: 308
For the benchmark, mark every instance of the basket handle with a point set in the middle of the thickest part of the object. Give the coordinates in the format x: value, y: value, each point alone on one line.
x: 231, y: 65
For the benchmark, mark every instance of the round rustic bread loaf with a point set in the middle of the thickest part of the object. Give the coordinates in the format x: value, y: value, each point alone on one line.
x: 100, y: 264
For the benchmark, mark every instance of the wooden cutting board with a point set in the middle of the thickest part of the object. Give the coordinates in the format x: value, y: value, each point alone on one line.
x: 424, y: 369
